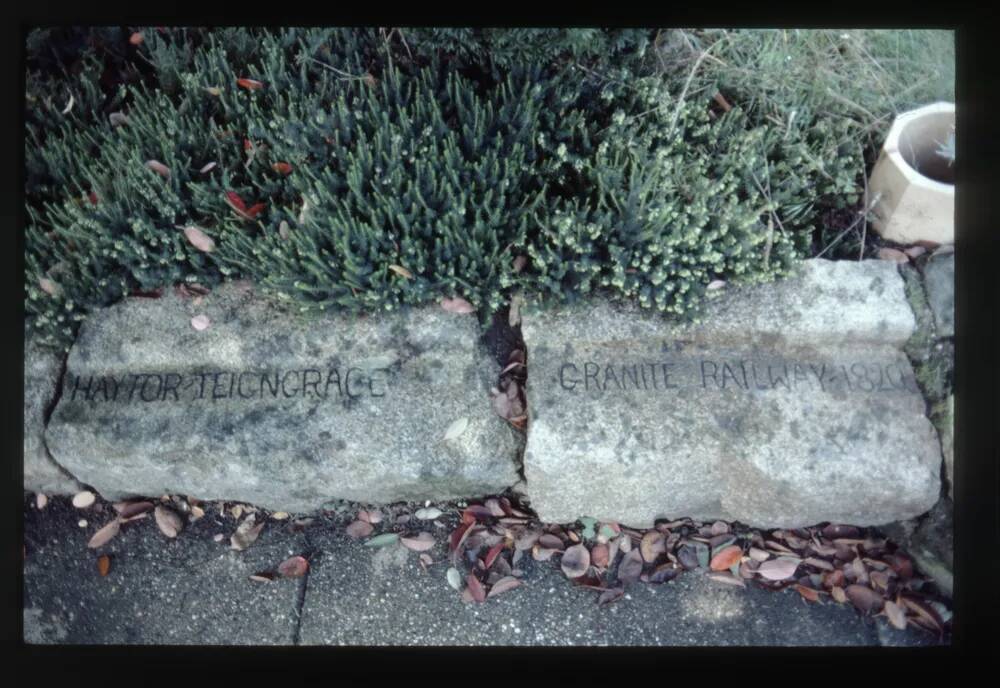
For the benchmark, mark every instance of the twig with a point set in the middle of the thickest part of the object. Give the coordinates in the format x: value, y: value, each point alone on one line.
x: 864, y: 226
x: 863, y: 215
x: 405, y: 44
x: 846, y: 101
x: 687, y: 85
x: 772, y: 216
x: 345, y: 76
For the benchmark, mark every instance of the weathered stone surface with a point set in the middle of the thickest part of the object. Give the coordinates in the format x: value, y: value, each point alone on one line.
x: 947, y: 434
x: 42, y: 371
x: 278, y: 410
x: 930, y: 541
x: 939, y: 278
x: 790, y: 404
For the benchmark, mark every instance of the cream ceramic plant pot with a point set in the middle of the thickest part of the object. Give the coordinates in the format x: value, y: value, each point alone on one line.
x: 912, y: 187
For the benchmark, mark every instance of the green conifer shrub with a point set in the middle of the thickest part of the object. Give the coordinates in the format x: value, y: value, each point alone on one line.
x: 394, y: 175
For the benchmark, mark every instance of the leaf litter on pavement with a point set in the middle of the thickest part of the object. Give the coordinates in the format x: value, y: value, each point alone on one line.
x: 477, y: 547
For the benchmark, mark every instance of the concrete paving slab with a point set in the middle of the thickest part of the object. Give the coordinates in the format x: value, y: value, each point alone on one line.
x: 358, y: 595
x: 190, y: 590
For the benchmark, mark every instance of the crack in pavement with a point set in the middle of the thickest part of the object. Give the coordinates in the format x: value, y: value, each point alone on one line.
x: 312, y: 555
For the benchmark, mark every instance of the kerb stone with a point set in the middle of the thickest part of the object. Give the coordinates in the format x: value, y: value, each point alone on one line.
x: 279, y: 410
x: 788, y: 404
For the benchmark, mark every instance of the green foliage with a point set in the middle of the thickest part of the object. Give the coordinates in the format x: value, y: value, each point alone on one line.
x: 422, y: 163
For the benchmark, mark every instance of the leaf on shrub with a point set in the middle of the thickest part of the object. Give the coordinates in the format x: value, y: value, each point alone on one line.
x: 208, y: 168
x: 716, y: 284
x: 214, y: 91
x: 159, y: 168
x: 575, y: 561
x: 456, y: 428
x: 421, y: 543
x: 200, y: 322
x: 282, y: 168
x: 778, y: 569
x: 520, y: 262
x: 503, y: 585
x: 236, y: 203
x: 283, y: 231
x: 250, y: 84
x: 105, y: 534
x: 255, y: 210
x: 69, y: 104
x: 457, y: 305
x: 49, y: 287
x: 293, y: 567
x: 199, y: 239
x: 169, y: 523
x: 401, y: 271
x: 136, y: 38
x: 103, y: 564
x: 726, y: 557
x: 117, y: 119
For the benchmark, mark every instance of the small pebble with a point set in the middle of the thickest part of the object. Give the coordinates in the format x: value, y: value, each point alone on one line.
x: 40, y: 501
x: 81, y: 500
x: 82, y: 523
x: 218, y: 538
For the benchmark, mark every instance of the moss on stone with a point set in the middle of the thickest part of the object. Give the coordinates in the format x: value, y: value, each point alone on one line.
x: 919, y: 346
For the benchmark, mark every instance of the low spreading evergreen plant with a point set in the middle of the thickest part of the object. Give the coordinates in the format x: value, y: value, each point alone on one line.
x: 363, y: 170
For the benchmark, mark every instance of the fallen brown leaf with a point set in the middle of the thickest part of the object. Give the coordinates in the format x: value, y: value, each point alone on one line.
x: 421, y: 543
x: 726, y: 557
x: 293, y: 567
x: 169, y: 523
x: 105, y: 534
x: 575, y: 561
